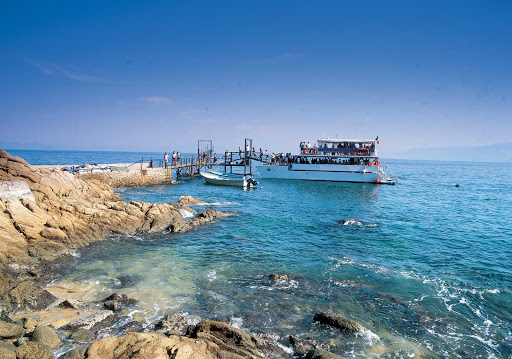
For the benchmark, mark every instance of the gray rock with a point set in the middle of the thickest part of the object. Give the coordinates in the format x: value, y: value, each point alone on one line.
x: 274, y: 277
x: 46, y: 335
x: 28, y: 296
x: 73, y: 304
x: 338, y: 322
x: 21, y: 341
x: 350, y: 222
x: 121, y: 298
x: 125, y: 280
x: 321, y: 354
x: 33, y: 350
x: 303, y: 346
x: 82, y: 335
x: 11, y: 330
x: 175, y: 323
x: 93, y: 322
x: 112, y: 305
x: 269, y: 336
x: 7, y: 351
x: 132, y: 326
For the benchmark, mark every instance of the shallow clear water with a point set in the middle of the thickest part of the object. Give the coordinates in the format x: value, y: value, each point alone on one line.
x: 427, y: 270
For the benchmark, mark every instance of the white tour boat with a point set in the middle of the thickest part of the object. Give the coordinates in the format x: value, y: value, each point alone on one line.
x: 226, y: 179
x: 330, y: 160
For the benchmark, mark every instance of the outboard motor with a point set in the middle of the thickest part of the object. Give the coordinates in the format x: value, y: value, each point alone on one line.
x: 252, y: 182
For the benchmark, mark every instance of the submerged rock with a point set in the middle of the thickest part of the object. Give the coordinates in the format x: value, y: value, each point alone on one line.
x: 338, y: 322
x: 348, y: 222
x: 125, y: 280
x: 82, y: 335
x: 274, y: 277
x: 321, y: 354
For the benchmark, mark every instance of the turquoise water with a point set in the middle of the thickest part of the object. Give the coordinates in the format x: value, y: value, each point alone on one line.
x: 426, y: 269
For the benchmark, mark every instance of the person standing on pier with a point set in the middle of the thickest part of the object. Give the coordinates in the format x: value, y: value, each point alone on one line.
x: 166, y: 159
x: 239, y: 151
x: 173, y: 158
x: 215, y: 157
x: 178, y: 156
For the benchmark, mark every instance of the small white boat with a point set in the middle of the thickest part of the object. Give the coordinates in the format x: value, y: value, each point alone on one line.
x: 226, y: 179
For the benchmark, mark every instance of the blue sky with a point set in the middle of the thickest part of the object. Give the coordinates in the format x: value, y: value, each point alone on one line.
x: 158, y: 75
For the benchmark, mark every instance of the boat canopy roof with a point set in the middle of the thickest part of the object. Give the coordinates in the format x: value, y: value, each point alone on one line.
x: 337, y: 140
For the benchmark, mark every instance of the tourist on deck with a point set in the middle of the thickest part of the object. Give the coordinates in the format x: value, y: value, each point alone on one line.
x: 308, y: 145
x: 166, y: 159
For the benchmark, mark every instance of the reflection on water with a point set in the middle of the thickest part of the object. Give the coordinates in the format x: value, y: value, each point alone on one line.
x: 426, y: 270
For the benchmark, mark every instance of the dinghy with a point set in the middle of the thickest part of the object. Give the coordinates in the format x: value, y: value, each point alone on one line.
x: 226, y: 179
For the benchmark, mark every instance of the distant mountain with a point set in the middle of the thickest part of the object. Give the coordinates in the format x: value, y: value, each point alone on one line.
x: 499, y: 152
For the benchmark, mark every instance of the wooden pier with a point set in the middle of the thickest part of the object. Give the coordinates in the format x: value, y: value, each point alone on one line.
x: 206, y: 159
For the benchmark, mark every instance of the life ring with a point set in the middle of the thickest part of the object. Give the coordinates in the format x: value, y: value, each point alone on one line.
x: 376, y: 162
x: 310, y: 151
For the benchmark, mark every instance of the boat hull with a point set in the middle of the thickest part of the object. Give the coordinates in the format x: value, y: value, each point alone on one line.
x: 332, y: 173
x: 221, y: 180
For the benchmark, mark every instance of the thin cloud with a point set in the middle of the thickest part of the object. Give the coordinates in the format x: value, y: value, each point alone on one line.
x: 53, y: 69
x: 157, y: 100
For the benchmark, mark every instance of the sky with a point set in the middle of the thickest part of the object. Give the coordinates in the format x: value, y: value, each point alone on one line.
x: 160, y: 75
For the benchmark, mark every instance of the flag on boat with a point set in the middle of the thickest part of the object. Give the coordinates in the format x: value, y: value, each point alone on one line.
x: 377, y: 139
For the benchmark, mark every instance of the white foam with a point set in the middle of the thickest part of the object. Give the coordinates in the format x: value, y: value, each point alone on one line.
x: 212, y: 275
x: 236, y: 322
x: 225, y: 203
x: 186, y: 214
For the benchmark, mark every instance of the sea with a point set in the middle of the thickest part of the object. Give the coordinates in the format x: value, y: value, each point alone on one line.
x: 424, y: 266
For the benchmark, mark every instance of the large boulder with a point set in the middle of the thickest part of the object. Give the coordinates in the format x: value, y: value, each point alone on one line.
x: 189, y: 201
x: 235, y: 341
x: 46, y: 335
x: 7, y: 351
x: 82, y: 335
x: 29, y: 296
x: 33, y: 350
x: 150, y: 345
x: 10, y: 330
x: 93, y: 322
x: 321, y: 354
x: 338, y: 322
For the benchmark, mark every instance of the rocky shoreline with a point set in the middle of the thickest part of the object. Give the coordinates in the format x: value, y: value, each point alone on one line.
x: 45, y: 215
